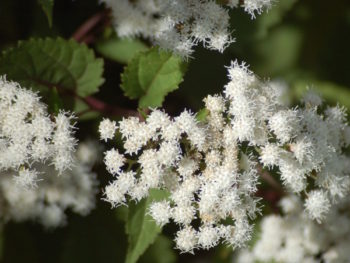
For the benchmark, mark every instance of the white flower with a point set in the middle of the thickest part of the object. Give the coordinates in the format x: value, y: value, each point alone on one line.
x: 211, y: 168
x: 291, y: 204
x: 187, y: 167
x: 285, y: 125
x: 183, y: 214
x: 29, y: 136
x: 179, y: 25
x: 208, y: 236
x: 317, y: 204
x: 270, y: 155
x: 215, y: 104
x: 114, y: 161
x: 161, y: 212
x: 47, y: 195
x: 186, y: 239
x: 303, y: 150
x: 63, y: 142
x: 252, y: 6
x: 27, y: 178
x: 107, y: 129
x: 296, y: 238
x: 311, y: 98
x: 114, y: 195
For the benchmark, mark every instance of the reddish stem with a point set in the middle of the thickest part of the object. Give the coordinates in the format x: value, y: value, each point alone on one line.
x: 93, y: 103
x: 100, y: 106
x: 84, y: 34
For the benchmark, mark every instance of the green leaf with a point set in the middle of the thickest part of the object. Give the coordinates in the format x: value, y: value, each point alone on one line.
x: 331, y: 92
x: 84, y: 112
x: 42, y: 64
x: 151, y: 75
x: 55, y: 103
x: 47, y: 6
x: 130, y: 79
x: 140, y: 227
x: 202, y: 114
x: 120, y: 49
x: 160, y: 251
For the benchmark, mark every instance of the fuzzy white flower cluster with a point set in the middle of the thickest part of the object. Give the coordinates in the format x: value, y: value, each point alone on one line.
x: 207, y: 176
x: 294, y: 238
x: 304, y: 143
x: 179, y: 25
x: 29, y: 136
x: 73, y: 189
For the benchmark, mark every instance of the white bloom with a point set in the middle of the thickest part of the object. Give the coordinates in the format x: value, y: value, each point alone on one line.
x: 63, y: 142
x: 107, y: 129
x: 28, y: 135
x: 291, y: 204
x: 215, y: 104
x: 211, y: 168
x: 252, y: 6
x: 114, y: 195
x: 270, y: 155
x: 89, y: 152
x: 179, y: 25
x: 187, y: 167
x: 161, y: 212
x: 186, y: 239
x: 285, y: 125
x: 27, y: 178
x: 183, y: 214
x: 208, y: 236
x: 312, y: 99
x: 296, y: 238
x: 317, y: 204
x: 303, y: 150
x: 55, y: 193
x: 114, y: 161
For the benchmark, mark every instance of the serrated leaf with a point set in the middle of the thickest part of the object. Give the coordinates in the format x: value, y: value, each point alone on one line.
x: 47, y: 6
x: 46, y: 63
x: 130, y: 79
x: 120, y: 49
x: 140, y: 227
x: 151, y: 75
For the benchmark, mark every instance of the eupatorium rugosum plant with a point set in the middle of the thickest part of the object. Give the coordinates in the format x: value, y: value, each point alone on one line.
x: 210, y: 166
x: 40, y: 173
x: 180, y: 25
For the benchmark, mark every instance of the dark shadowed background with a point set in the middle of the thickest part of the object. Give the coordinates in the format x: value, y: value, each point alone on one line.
x: 304, y: 43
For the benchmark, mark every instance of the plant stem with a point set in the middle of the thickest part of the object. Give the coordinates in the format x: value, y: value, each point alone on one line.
x: 85, y: 33
x: 100, y: 106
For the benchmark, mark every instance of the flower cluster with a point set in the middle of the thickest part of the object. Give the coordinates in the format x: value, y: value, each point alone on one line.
x: 210, y: 167
x: 198, y: 164
x: 30, y: 136
x: 179, y: 25
x: 295, y: 238
x: 73, y: 189
x: 304, y: 143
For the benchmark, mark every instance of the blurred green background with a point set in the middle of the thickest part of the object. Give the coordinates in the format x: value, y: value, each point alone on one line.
x: 305, y: 43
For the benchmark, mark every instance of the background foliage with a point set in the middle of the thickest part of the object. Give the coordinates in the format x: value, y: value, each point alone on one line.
x: 297, y: 41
